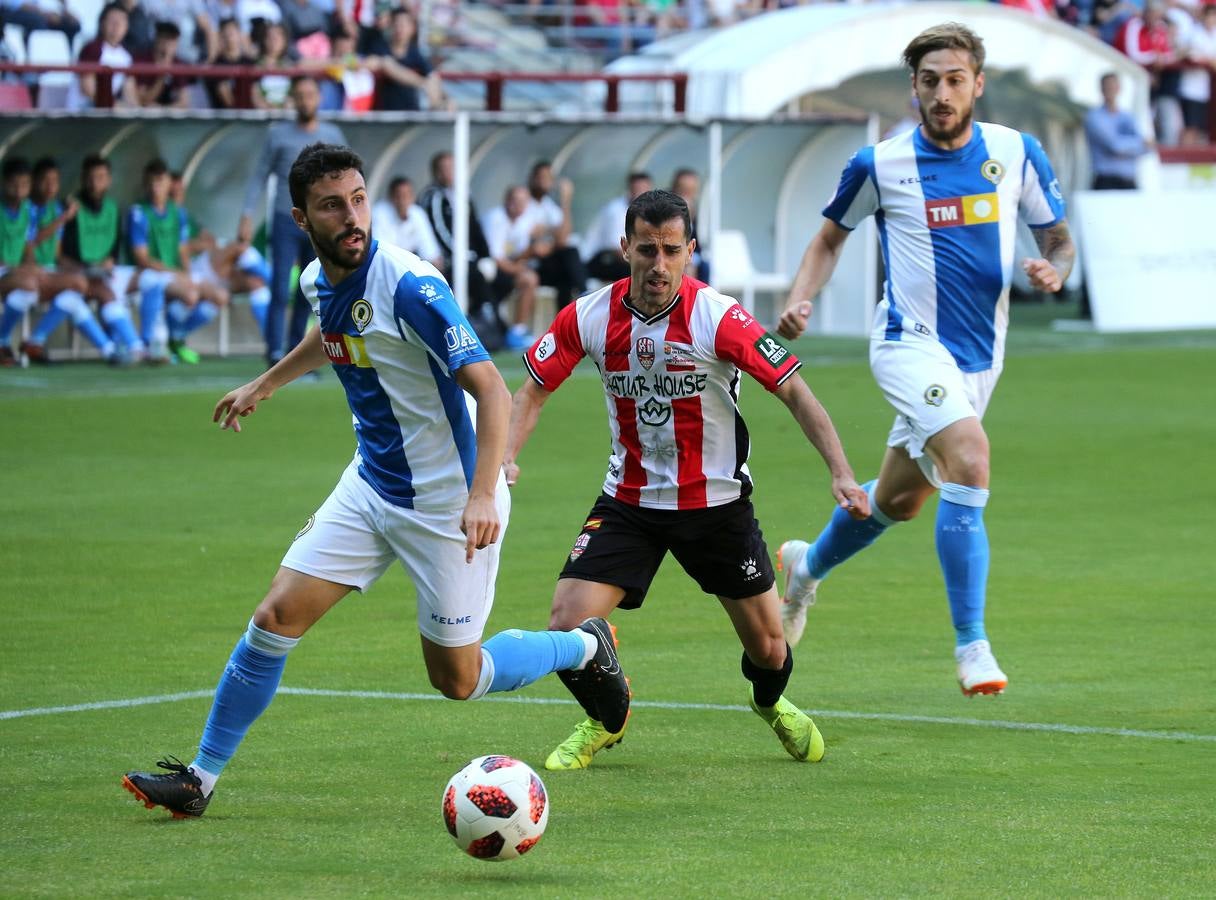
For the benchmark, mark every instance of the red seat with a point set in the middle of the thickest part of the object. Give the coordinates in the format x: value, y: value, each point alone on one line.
x: 14, y: 95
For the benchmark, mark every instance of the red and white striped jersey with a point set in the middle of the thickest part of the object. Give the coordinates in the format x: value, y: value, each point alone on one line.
x: 671, y: 382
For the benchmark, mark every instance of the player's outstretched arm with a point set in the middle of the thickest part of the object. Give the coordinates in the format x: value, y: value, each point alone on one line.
x: 818, y: 263
x: 304, y: 357
x: 815, y: 423
x: 525, y: 411
x: 480, y: 520
x: 1059, y: 252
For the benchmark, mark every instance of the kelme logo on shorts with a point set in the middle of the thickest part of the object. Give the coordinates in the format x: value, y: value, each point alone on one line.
x: 935, y: 394
x: 772, y: 350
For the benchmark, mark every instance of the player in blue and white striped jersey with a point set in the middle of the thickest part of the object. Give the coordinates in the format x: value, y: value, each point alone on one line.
x: 947, y: 197
x: 425, y: 487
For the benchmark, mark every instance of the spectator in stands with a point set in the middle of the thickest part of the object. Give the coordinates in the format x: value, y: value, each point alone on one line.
x: 304, y: 17
x: 686, y: 184
x: 1109, y: 17
x: 141, y: 29
x: 1115, y: 141
x: 231, y: 93
x: 289, y: 245
x: 602, y: 242
x: 513, y: 232
x: 31, y: 16
x: 403, y: 69
x: 557, y: 262
x: 198, y: 42
x: 363, y: 20
x: 274, y: 91
x: 247, y: 14
x: 91, y: 242
x: 106, y: 49
x: 437, y: 200
x: 352, y: 83
x: 397, y: 220
x: 62, y: 287
x: 164, y: 90
x: 1195, y: 86
x: 1147, y: 39
x: 158, y: 231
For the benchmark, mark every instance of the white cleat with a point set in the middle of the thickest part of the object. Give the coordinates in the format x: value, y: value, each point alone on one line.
x: 799, y: 590
x: 978, y: 672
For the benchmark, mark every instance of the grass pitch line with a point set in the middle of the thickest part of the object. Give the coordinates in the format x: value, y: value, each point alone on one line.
x: 1049, y: 727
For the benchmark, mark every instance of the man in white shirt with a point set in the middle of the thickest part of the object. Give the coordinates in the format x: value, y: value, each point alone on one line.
x: 602, y: 242
x: 397, y: 220
x: 558, y: 263
x: 510, y: 230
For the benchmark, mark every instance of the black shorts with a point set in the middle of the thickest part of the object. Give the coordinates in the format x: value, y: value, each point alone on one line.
x: 721, y: 547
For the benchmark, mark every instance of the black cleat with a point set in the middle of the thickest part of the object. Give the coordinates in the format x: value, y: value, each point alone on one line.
x: 180, y: 791
x: 603, y: 679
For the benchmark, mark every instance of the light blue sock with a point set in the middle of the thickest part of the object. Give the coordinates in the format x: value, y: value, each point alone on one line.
x: 204, y: 311
x: 245, y: 690
x: 115, y: 315
x: 176, y: 314
x: 51, y: 320
x: 844, y: 536
x: 521, y: 657
x: 151, y: 305
x: 259, y: 302
x: 962, y: 547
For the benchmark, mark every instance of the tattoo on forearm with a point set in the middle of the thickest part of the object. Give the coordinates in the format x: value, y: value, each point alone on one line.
x: 1056, y: 246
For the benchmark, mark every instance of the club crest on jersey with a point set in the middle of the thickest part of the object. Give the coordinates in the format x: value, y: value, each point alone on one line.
x: 361, y: 314
x: 652, y: 412
x: 992, y: 170
x: 935, y: 394
x: 345, y: 350
x: 974, y: 209
x: 645, y: 351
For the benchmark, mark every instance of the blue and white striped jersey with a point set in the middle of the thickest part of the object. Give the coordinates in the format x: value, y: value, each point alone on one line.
x: 948, y: 221
x: 395, y: 337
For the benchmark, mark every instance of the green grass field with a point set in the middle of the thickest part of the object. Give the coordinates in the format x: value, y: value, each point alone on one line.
x: 136, y: 539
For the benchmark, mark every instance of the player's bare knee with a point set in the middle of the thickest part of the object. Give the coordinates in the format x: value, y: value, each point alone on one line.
x: 903, y: 506
x: 453, y: 685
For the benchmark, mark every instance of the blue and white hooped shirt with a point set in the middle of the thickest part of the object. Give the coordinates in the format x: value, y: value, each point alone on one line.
x: 396, y: 337
x: 947, y: 220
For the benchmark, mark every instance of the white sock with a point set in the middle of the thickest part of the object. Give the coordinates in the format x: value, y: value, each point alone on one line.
x: 590, y: 646
x: 206, y: 778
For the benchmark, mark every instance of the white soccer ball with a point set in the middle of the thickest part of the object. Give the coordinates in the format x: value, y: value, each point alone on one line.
x: 496, y: 808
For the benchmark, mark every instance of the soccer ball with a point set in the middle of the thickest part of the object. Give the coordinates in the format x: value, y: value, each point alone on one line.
x: 495, y: 808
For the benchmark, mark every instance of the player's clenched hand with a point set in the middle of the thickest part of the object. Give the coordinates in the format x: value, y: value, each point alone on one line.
x: 511, y: 472
x: 1043, y: 275
x: 239, y: 403
x: 793, y: 320
x: 852, y: 497
x: 479, y: 524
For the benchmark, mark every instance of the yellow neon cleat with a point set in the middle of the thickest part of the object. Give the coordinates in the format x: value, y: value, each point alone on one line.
x: 796, y: 730
x: 575, y: 752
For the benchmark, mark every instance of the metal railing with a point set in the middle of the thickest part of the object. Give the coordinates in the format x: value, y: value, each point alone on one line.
x: 245, y: 76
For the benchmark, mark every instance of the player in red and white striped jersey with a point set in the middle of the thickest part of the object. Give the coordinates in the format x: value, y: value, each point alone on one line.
x: 671, y: 352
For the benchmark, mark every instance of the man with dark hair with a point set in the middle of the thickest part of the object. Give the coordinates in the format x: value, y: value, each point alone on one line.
x: 399, y: 221
x: 163, y: 90
x: 436, y: 200
x: 425, y: 488
x: 558, y: 263
x: 1115, y: 141
x: 601, y: 243
x: 947, y: 197
x: 669, y: 350
x: 230, y: 93
x: 687, y: 184
x: 288, y: 245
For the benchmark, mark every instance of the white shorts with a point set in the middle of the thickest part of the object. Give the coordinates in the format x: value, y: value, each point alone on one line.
x: 202, y: 272
x: 920, y: 378
x: 356, y: 534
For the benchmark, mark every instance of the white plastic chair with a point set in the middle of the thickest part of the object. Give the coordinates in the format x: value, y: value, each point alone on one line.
x: 732, y: 270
